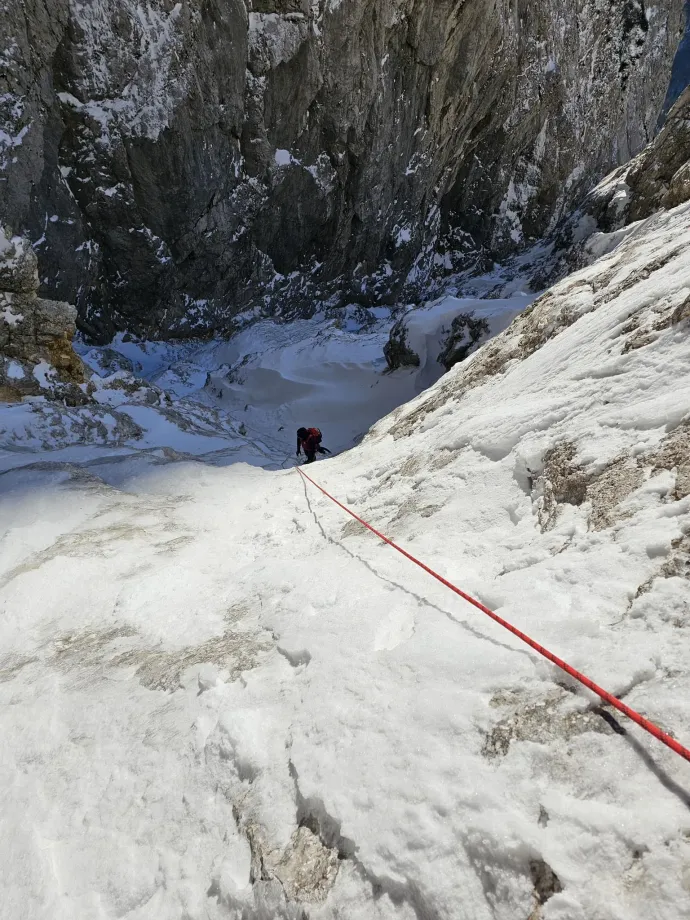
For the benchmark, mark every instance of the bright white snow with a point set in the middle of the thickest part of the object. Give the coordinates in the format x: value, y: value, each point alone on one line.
x: 218, y: 693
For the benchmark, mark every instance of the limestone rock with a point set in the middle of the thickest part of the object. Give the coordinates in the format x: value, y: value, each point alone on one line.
x: 465, y: 332
x: 36, y: 354
x: 659, y: 178
x: 397, y: 351
x: 656, y: 179
x: 308, y: 868
x: 18, y: 265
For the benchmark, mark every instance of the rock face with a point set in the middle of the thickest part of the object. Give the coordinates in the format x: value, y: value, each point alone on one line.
x: 455, y: 342
x: 175, y: 163
x: 36, y: 356
x: 397, y: 351
x: 656, y: 179
x: 680, y: 77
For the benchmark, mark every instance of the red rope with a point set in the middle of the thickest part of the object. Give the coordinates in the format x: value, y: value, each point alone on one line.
x: 564, y: 666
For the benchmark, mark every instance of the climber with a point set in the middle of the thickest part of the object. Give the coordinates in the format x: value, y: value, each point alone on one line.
x: 309, y: 440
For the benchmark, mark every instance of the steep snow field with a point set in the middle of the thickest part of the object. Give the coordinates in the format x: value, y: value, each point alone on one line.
x: 243, y: 399
x: 222, y: 698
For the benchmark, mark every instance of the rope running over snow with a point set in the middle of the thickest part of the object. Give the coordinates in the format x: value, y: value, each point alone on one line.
x: 564, y: 666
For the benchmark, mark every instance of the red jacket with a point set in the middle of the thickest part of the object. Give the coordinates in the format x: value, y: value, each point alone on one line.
x: 311, y: 443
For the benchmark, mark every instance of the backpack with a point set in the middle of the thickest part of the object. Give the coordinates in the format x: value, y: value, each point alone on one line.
x: 315, y: 434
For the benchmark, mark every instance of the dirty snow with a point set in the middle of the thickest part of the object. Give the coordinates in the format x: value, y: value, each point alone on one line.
x: 221, y: 698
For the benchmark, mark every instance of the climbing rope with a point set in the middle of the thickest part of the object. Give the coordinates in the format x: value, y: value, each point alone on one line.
x: 564, y: 666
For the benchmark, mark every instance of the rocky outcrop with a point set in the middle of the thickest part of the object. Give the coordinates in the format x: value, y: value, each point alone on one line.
x: 447, y: 341
x: 656, y: 179
x: 397, y: 351
x: 36, y: 356
x: 176, y: 163
x: 680, y: 76
x: 466, y: 330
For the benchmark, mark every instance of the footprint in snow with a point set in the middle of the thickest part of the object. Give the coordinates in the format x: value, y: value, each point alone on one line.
x: 397, y: 628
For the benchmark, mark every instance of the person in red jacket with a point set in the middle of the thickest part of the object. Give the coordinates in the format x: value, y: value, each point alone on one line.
x: 309, y: 441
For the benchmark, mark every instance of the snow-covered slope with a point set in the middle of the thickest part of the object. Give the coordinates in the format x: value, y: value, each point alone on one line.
x: 242, y: 398
x: 221, y: 698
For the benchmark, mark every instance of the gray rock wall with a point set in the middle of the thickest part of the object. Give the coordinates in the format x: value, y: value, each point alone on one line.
x: 656, y: 179
x: 680, y: 76
x: 178, y: 162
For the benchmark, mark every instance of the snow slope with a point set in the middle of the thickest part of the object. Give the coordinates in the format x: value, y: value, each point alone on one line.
x: 334, y: 373
x: 222, y: 699
x: 242, y: 399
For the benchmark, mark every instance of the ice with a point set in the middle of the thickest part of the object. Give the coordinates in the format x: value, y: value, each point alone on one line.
x: 221, y: 697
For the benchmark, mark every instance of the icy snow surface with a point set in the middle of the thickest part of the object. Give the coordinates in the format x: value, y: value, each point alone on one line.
x: 221, y: 698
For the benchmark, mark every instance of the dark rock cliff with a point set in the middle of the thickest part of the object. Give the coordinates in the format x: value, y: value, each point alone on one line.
x: 175, y: 163
x: 657, y: 179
